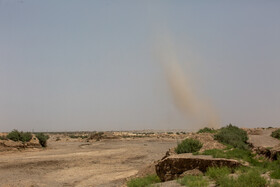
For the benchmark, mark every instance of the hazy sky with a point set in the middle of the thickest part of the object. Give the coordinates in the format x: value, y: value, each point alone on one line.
x: 90, y: 65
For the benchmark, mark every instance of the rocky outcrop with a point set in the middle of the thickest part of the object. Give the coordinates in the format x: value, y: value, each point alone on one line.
x: 173, y: 166
x: 263, y: 144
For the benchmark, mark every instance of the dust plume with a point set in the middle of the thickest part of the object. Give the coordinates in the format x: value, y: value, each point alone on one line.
x: 194, y: 108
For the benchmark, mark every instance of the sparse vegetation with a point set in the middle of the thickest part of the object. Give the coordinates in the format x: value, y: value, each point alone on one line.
x: 194, y: 181
x: 242, y: 154
x: 42, y: 139
x: 276, y: 134
x: 217, y: 172
x: 78, y: 136
x: 233, y: 136
x: 250, y: 178
x: 97, y: 136
x: 188, y: 146
x: 275, y: 167
x: 3, y: 138
x: 15, y: 135
x: 275, y: 174
x: 207, y: 130
x: 144, y: 181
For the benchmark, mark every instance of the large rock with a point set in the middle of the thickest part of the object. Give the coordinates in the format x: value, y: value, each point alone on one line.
x: 173, y: 166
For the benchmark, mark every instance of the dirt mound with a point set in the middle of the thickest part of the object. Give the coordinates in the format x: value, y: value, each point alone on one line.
x: 207, y: 139
x: 9, y: 145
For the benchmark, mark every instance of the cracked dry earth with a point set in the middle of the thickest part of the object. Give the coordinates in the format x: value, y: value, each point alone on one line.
x: 105, y: 163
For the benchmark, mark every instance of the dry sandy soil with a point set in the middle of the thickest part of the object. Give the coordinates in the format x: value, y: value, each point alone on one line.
x: 104, y: 163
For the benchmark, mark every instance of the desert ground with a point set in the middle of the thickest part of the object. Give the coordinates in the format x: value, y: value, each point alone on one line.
x: 113, y: 158
x: 79, y: 163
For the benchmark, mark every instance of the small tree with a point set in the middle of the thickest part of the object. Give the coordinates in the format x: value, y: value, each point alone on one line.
x: 42, y: 139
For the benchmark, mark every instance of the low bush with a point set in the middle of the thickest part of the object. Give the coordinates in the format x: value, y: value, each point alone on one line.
x: 188, y: 146
x: 3, y: 138
x: 233, y: 136
x: 194, y: 181
x: 42, y: 139
x: 276, y: 134
x: 15, y: 135
x: 144, y: 181
x: 207, y: 130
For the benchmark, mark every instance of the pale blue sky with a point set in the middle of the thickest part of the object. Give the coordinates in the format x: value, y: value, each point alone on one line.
x: 89, y: 65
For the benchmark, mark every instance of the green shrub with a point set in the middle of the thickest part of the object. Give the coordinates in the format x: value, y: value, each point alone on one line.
x: 26, y: 136
x: 42, y: 139
x: 188, y: 146
x: 276, y: 134
x: 3, y: 138
x: 15, y: 135
x: 144, y: 181
x: 194, y: 181
x: 217, y: 172
x: 233, y: 136
x: 207, y: 130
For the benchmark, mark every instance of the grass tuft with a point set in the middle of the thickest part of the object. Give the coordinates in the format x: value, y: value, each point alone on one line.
x: 194, y: 181
x: 217, y: 172
x: 143, y: 181
x: 250, y: 179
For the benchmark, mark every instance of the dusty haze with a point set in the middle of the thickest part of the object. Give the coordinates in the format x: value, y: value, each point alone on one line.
x: 187, y: 101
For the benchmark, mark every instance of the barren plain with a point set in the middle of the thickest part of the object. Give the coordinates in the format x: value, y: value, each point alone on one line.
x: 76, y: 162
